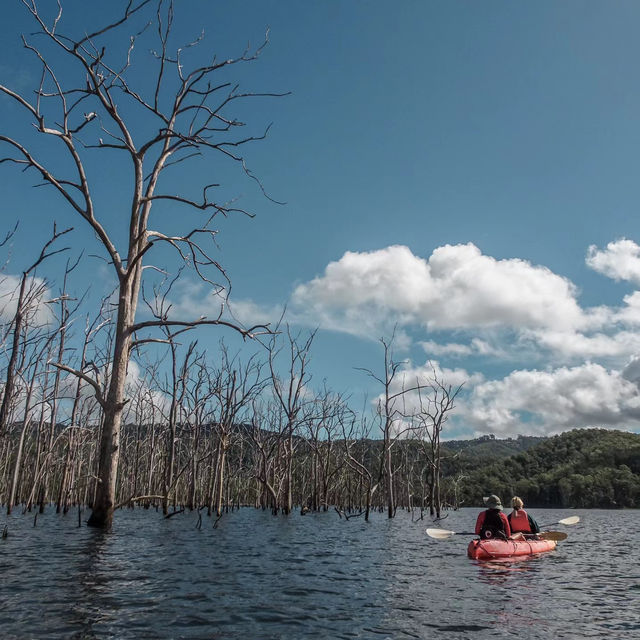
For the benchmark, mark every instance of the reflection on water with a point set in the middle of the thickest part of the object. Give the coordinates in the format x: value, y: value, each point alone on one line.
x: 257, y: 576
x: 498, y: 571
x: 88, y: 585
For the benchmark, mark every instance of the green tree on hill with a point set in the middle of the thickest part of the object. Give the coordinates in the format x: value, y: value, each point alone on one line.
x: 586, y: 468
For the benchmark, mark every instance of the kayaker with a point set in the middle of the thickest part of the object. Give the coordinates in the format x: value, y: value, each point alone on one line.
x: 519, y: 520
x: 492, y: 523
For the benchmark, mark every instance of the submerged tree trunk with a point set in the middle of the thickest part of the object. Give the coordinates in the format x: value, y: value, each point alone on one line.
x: 222, y: 457
x: 26, y: 420
x: 109, y: 454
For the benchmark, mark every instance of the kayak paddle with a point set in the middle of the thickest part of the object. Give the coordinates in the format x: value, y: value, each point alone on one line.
x: 571, y: 520
x: 558, y: 536
x: 443, y: 534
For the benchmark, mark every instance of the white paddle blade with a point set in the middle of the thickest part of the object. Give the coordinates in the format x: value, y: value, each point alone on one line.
x: 440, y: 534
x: 571, y: 520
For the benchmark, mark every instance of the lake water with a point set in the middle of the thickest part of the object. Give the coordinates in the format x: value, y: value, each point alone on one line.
x: 262, y: 577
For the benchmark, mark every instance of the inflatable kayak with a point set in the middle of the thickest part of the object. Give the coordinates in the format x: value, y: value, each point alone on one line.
x: 490, y: 549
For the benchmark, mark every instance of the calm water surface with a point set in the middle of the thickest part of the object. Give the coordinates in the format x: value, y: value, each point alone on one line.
x: 262, y: 577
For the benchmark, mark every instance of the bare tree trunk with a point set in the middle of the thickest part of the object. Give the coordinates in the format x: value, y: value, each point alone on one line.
x: 222, y: 457
x: 13, y: 357
x: 215, y: 474
x: 26, y: 421
x: 289, y: 473
x: 109, y: 455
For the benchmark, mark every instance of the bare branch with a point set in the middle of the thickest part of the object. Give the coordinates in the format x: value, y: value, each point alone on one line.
x: 86, y: 378
x: 251, y: 332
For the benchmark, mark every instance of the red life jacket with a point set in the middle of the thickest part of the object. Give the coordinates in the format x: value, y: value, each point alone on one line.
x: 519, y: 521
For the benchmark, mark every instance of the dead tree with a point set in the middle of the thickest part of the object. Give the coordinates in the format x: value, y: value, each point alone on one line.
x: 322, y: 421
x: 392, y: 415
x: 29, y: 300
x: 435, y: 401
x: 389, y: 415
x: 198, y: 405
x: 266, y: 444
x: 85, y: 106
x: 235, y: 386
x: 36, y: 359
x: 64, y: 319
x: 289, y: 387
x: 176, y: 393
x: 355, y: 440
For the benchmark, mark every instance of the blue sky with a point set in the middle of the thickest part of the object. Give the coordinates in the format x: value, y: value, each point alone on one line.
x: 463, y: 171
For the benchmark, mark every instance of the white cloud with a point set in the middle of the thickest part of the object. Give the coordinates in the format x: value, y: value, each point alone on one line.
x: 146, y: 400
x: 409, y: 376
x: 457, y: 288
x: 548, y: 402
x: 191, y: 300
x: 507, y: 309
x: 451, y: 348
x: 250, y: 313
x: 504, y: 308
x: 36, y: 293
x: 630, y: 313
x: 194, y: 300
x: 620, y: 260
x: 476, y: 346
x: 433, y: 368
x: 571, y: 344
x: 631, y: 371
x: 365, y: 294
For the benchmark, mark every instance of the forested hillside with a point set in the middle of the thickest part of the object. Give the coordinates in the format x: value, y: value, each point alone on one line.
x: 461, y: 456
x: 581, y: 468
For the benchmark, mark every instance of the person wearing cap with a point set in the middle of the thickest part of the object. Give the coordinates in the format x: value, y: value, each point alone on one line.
x: 492, y: 523
x: 519, y: 520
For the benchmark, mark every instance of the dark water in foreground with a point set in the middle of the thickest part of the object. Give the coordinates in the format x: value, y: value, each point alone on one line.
x: 260, y: 577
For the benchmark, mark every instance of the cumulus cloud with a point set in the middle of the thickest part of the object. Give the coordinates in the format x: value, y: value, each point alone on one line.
x: 36, y: 294
x: 433, y: 369
x: 250, y: 313
x: 410, y: 375
x: 456, y: 288
x: 547, y: 402
x: 632, y: 371
x: 620, y: 344
x: 411, y: 390
x: 192, y: 300
x: 620, y: 260
x: 150, y: 402
x: 474, y: 305
x: 476, y: 346
x: 502, y: 307
x: 629, y: 314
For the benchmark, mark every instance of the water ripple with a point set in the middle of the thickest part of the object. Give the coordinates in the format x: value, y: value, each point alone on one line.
x: 261, y: 577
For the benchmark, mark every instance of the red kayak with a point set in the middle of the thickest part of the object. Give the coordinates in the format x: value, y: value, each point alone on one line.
x: 491, y: 549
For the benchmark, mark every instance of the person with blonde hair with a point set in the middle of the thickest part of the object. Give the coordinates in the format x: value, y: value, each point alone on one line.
x: 519, y: 520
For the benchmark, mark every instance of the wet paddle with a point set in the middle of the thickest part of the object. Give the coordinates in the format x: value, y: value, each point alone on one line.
x: 558, y: 536
x: 571, y: 520
x: 443, y: 534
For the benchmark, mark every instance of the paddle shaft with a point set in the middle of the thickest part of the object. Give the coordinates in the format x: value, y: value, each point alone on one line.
x: 464, y: 533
